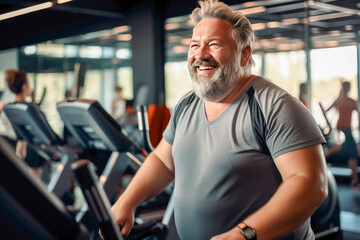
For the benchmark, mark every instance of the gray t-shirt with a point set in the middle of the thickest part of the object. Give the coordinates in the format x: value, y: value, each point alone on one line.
x: 221, y: 175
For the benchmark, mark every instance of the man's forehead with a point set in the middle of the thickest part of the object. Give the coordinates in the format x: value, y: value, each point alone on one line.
x: 212, y: 26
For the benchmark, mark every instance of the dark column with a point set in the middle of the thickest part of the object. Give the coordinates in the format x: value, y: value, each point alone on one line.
x: 147, y: 27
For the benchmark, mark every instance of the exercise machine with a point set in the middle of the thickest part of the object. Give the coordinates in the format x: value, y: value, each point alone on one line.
x: 28, y: 210
x: 95, y: 129
x: 31, y: 125
x: 100, y: 207
x: 337, y: 160
x: 325, y: 221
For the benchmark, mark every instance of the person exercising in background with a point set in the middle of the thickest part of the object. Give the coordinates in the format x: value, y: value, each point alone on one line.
x: 118, y: 104
x: 346, y: 106
x: 225, y: 186
x: 19, y: 84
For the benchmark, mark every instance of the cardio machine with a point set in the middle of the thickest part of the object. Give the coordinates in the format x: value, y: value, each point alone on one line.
x: 337, y: 160
x: 28, y: 210
x: 95, y: 129
x: 31, y: 125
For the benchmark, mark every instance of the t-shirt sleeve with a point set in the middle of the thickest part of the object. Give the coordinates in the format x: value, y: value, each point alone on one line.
x: 291, y: 126
x: 169, y: 132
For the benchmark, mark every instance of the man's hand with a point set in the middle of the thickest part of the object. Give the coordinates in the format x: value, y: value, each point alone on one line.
x: 233, y: 234
x: 123, y: 216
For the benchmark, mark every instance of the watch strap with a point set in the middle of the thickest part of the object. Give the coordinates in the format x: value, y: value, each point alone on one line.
x: 247, y: 232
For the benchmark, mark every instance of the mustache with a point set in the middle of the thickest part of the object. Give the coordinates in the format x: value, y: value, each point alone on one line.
x: 197, y: 63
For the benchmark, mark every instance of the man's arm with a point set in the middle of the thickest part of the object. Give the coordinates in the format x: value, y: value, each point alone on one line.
x: 332, y: 105
x: 154, y: 176
x: 303, y: 189
x: 20, y: 149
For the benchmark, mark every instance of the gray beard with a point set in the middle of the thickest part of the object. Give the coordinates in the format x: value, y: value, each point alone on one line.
x: 221, y: 84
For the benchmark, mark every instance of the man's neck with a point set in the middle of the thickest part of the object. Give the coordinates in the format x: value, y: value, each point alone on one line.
x: 214, y: 109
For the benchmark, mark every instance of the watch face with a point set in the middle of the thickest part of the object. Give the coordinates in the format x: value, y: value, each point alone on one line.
x: 249, y: 233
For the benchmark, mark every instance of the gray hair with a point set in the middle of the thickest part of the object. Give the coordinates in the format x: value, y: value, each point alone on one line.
x: 243, y: 33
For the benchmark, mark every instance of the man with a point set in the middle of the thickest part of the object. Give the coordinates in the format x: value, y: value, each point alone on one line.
x: 225, y: 186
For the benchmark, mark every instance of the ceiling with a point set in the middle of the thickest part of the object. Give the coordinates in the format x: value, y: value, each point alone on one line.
x: 280, y: 25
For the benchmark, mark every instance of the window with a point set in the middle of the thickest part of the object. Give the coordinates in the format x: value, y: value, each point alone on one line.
x: 329, y: 68
x: 55, y: 89
x: 125, y: 80
x: 286, y: 69
x: 92, y: 86
x: 177, y: 82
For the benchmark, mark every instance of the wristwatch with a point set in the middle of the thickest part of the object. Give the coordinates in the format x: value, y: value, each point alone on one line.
x: 247, y: 231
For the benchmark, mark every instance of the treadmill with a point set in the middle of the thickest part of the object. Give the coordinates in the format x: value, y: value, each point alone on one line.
x: 28, y: 210
x: 31, y: 125
x: 95, y: 129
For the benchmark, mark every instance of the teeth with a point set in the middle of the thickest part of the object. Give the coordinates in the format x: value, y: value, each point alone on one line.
x: 205, y: 67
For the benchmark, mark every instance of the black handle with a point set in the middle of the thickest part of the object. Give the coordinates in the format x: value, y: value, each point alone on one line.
x: 143, y: 125
x: 96, y: 199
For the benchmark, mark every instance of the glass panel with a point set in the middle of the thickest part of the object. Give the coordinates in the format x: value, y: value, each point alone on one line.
x: 92, y: 85
x: 125, y: 80
x: 329, y: 68
x: 55, y: 89
x: 51, y: 50
x: 286, y: 69
x: 177, y: 82
x: 258, y: 64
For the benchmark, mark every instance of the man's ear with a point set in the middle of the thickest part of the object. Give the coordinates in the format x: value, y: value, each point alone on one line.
x: 245, y: 55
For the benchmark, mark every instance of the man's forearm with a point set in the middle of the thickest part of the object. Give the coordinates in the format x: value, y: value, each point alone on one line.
x: 152, y: 178
x: 292, y: 204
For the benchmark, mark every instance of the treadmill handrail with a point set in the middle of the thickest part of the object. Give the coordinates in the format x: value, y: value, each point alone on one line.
x: 96, y: 199
x: 143, y: 125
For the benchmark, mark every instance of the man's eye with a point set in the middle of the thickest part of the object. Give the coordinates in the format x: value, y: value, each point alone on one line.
x: 194, y: 46
x: 214, y: 44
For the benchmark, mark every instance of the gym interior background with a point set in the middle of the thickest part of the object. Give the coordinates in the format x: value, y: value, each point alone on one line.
x: 142, y: 47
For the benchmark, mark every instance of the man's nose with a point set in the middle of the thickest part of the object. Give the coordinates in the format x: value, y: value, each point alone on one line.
x: 202, y: 53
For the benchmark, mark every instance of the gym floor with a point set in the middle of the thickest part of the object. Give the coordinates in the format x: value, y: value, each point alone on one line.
x: 350, y: 211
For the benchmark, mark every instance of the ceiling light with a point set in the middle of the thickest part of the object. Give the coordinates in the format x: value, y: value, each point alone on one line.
x: 120, y: 29
x: 180, y: 49
x: 329, y: 16
x: 249, y: 4
x: 63, y: 1
x: 124, y: 37
x: 290, y: 21
x: 349, y: 27
x: 273, y: 24
x: 258, y: 26
x: 323, y: 44
x: 335, y: 33
x: 185, y: 41
x: 249, y: 11
x: 172, y: 26
x: 26, y: 10
x: 280, y: 39
x: 311, y: 2
x: 30, y: 50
